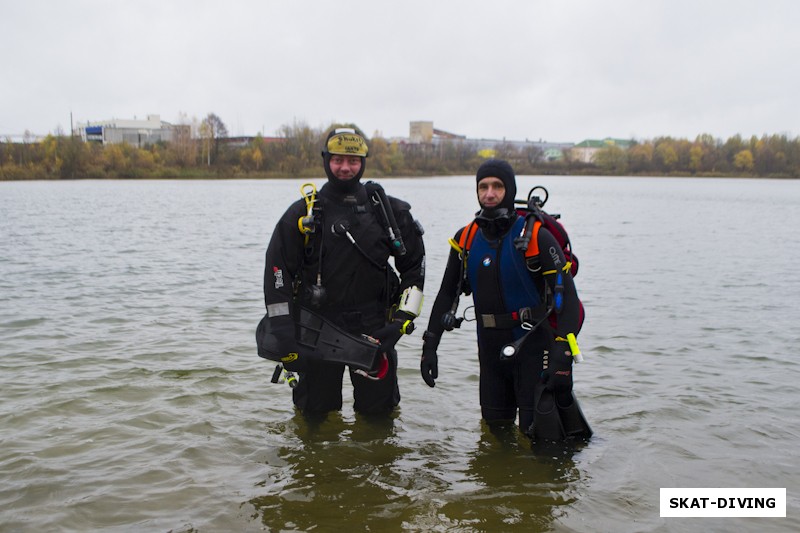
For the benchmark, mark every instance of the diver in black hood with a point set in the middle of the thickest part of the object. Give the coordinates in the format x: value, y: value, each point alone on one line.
x: 496, y: 188
x: 523, y: 336
x: 330, y: 288
x: 344, y: 158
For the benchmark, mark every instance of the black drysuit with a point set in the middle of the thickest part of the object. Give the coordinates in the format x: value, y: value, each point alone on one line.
x: 359, y: 286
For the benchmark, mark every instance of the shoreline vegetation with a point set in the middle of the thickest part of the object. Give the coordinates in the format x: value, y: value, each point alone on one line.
x: 295, y: 153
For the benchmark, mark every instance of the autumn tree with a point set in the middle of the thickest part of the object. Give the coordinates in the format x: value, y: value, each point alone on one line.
x: 711, y: 156
x: 212, y: 130
x: 640, y: 157
x: 52, y: 160
x: 379, y: 156
x: 182, y: 150
x: 534, y: 155
x: 612, y: 159
x: 665, y: 154
x: 696, y: 158
x: 744, y: 160
x: 299, y: 150
x: 252, y: 157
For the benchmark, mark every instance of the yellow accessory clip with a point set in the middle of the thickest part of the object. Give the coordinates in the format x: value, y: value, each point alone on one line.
x: 454, y: 245
x: 565, y: 268
x: 407, y: 328
x: 306, y: 224
x: 291, y: 356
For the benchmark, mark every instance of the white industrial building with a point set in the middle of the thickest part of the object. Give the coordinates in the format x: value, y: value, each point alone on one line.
x: 134, y: 132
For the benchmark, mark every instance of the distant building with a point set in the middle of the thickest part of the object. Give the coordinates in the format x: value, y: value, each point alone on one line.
x: 553, y: 154
x: 134, y: 132
x: 423, y: 132
x: 585, y: 151
x: 246, y: 140
x: 420, y: 132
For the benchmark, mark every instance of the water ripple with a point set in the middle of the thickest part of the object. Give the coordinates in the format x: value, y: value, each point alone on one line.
x: 133, y: 398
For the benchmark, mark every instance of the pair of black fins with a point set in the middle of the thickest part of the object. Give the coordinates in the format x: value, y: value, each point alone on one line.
x: 555, y: 422
x: 316, y: 338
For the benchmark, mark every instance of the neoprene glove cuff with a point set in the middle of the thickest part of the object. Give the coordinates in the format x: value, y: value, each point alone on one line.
x: 402, y: 316
x: 430, y: 341
x: 406, y: 322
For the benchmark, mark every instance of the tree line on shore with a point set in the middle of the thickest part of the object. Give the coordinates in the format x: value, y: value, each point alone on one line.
x: 295, y: 153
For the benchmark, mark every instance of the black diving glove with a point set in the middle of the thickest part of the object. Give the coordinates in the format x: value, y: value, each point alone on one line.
x: 429, y: 364
x: 558, y: 375
x: 389, y: 334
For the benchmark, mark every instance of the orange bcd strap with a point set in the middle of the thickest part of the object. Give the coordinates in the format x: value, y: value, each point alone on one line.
x: 533, y: 244
x: 465, y: 241
x: 467, y: 236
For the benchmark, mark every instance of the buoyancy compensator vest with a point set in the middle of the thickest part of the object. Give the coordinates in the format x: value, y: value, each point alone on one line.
x: 508, y: 294
x: 526, y: 243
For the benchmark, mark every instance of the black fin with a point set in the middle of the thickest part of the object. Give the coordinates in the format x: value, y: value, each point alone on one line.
x: 554, y: 422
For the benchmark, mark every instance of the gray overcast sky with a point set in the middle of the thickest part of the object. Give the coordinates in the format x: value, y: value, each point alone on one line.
x: 556, y: 70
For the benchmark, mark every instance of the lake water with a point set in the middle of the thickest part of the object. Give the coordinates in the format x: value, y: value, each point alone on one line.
x: 133, y: 398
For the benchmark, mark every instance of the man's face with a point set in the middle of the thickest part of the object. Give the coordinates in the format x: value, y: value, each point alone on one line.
x: 491, y: 191
x: 345, y: 167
